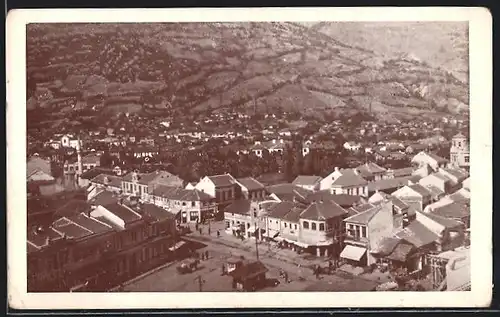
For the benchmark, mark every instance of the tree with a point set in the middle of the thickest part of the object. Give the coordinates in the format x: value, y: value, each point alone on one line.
x: 106, y: 160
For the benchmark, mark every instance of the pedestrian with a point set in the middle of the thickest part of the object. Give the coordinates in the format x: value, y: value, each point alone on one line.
x: 209, y: 230
x: 286, y: 277
x: 317, y: 272
x: 200, y: 230
x: 196, y: 226
x: 202, y: 256
x: 330, y: 266
x: 223, y: 272
x: 206, y: 255
x: 218, y: 234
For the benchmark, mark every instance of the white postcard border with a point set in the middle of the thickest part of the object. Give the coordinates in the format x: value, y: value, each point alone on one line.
x: 480, y: 58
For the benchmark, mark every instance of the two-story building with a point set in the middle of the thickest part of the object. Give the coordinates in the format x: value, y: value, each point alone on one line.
x: 250, y: 188
x: 309, y: 182
x: 107, y: 182
x: 416, y: 196
x: 141, y: 184
x: 321, y: 227
x: 350, y: 183
x: 191, y: 205
x: 431, y: 159
x: 364, y: 231
x: 224, y: 188
x: 371, y: 171
x: 96, y: 250
x: 246, y: 219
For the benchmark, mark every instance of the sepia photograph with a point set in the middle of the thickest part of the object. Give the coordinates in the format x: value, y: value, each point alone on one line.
x: 267, y: 157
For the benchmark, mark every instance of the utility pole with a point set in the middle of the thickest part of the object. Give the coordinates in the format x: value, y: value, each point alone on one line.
x: 256, y: 242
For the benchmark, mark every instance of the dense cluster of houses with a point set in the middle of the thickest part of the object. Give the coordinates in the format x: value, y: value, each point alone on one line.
x: 364, y: 215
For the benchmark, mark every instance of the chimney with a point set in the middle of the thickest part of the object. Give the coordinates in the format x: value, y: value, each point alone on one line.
x: 281, y: 141
x: 336, y: 169
x: 47, y: 240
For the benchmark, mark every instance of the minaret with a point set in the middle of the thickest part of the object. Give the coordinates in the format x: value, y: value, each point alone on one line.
x: 79, y: 170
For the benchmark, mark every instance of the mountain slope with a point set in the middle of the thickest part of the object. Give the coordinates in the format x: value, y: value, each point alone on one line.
x: 174, y: 68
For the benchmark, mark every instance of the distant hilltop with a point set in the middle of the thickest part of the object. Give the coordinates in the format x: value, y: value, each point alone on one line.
x: 201, y: 67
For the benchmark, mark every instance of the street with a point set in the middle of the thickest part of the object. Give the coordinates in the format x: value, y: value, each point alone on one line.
x: 221, y: 248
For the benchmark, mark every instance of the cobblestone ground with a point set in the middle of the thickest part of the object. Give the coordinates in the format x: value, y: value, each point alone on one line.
x: 220, y: 249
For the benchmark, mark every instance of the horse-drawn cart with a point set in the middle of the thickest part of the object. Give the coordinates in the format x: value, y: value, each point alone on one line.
x: 188, y: 266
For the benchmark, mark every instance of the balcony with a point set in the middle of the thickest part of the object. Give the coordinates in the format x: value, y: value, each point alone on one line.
x: 355, y: 238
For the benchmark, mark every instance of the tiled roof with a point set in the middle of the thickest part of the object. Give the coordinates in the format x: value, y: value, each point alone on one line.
x: 39, y: 238
x: 249, y: 270
x: 287, y: 189
x: 386, y: 246
x: 222, y: 180
x: 445, y: 222
x: 349, y: 178
x: 442, y: 177
x: 104, y: 198
x: 343, y: 200
x: 251, y: 183
x: 294, y: 214
x: 389, y: 183
x: 114, y: 181
x: 437, y: 158
x: 398, y: 202
x: 156, y: 212
x: 417, y: 234
x: 123, y: 212
x: 241, y: 206
x: 456, y: 173
x: 365, y: 216
x: 176, y: 193
x: 323, y: 211
x: 92, y: 173
x: 462, y: 195
x: 435, y: 192
x: 405, y: 171
x: 421, y: 190
x: 71, y: 229
x: 454, y: 210
x: 371, y: 168
x: 401, y: 252
x: 90, y: 223
x: 309, y: 180
x: 147, y: 178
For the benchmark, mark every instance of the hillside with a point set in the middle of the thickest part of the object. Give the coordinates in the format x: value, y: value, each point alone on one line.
x: 174, y: 68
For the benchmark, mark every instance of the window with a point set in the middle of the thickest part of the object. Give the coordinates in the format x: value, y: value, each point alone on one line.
x: 466, y: 158
x: 305, y: 224
x: 321, y: 227
x: 295, y: 226
x: 193, y: 203
x: 363, y: 232
x: 255, y: 214
x: 184, y: 203
x: 270, y: 221
x: 248, y: 225
x: 285, y: 225
x: 313, y: 226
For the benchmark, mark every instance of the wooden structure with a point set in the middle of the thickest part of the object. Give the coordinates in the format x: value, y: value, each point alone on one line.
x: 437, y: 267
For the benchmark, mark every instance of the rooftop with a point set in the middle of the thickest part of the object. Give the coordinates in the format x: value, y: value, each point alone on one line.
x: 364, y: 217
x: 417, y: 234
x: 105, y: 179
x: 124, y: 213
x: 389, y: 183
x: 89, y: 223
x: 156, y: 212
x: 307, y: 180
x: 251, y: 183
x: 241, y: 206
x: 323, y: 210
x: 421, y: 190
x: 224, y: 180
x: 343, y: 200
x: 349, y: 178
x: 454, y: 210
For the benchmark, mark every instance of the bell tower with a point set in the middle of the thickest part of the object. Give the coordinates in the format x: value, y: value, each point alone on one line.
x: 459, y: 151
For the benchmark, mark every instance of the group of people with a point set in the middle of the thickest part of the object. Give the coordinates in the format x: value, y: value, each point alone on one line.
x: 202, y: 255
x: 200, y: 230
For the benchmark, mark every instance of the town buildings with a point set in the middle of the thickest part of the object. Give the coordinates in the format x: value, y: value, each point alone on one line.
x: 459, y: 152
x: 96, y: 250
x: 140, y: 184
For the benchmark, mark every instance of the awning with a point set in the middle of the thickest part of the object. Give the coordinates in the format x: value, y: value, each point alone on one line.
x: 352, y: 252
x: 273, y: 233
x: 177, y: 245
x: 297, y: 243
x: 279, y: 239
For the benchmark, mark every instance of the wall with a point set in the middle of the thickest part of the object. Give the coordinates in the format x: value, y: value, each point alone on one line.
x: 205, y: 185
x: 311, y: 236
x: 379, y: 227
